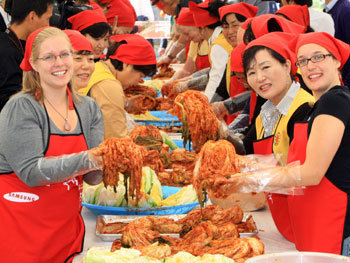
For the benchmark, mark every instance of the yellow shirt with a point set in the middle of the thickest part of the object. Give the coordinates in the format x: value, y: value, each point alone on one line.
x: 198, y: 49
x: 109, y: 94
x: 281, y: 139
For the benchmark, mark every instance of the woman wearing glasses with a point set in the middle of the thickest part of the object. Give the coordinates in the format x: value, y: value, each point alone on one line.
x: 320, y: 217
x: 46, y: 132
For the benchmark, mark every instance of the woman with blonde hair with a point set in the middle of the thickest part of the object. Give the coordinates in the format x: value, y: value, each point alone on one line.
x: 47, y: 139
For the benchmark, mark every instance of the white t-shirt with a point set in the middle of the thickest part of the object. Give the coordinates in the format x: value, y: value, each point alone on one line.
x: 143, y: 7
x: 5, y: 16
x: 321, y: 22
x: 218, y: 57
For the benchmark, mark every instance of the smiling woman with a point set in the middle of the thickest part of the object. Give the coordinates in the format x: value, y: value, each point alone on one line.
x: 318, y: 220
x: 83, y: 59
x: 269, y: 67
x: 93, y: 25
x: 128, y: 60
x: 46, y: 132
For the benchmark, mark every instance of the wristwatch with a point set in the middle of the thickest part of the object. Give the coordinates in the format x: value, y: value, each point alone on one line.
x: 170, y: 56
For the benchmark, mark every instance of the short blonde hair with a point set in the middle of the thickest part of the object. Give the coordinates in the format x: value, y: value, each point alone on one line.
x: 31, y: 79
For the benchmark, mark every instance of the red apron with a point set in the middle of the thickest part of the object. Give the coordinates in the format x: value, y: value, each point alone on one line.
x: 202, y: 62
x: 253, y: 98
x: 278, y: 203
x: 236, y: 88
x: 42, y: 224
x: 318, y: 215
x: 187, y: 48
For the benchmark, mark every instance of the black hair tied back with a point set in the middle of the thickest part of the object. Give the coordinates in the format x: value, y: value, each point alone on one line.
x: 148, y: 70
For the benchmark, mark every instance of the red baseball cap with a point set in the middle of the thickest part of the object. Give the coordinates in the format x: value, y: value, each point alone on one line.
x: 85, y: 19
x: 244, y: 9
x: 136, y: 51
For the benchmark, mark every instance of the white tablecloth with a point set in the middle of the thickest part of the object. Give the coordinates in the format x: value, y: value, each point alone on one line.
x: 268, y: 233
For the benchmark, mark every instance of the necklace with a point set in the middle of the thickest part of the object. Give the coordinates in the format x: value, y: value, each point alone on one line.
x: 66, y: 125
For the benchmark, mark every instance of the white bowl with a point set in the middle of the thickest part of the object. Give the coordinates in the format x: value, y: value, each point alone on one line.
x: 299, y: 257
x: 248, y: 202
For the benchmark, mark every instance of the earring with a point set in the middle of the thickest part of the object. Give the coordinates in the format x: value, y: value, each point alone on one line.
x: 288, y: 81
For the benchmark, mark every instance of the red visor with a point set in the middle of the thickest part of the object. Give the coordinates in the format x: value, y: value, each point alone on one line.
x: 126, y: 15
x: 136, y: 51
x: 25, y: 64
x: 336, y: 47
x: 85, y: 19
x: 185, y: 17
x: 297, y: 13
x: 278, y: 41
x: 243, y: 9
x: 201, y: 16
x: 79, y: 42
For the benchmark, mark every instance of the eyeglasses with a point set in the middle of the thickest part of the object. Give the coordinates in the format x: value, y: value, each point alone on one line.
x: 314, y: 59
x: 52, y: 58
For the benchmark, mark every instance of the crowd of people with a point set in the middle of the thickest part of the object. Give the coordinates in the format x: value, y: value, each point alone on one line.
x: 278, y: 77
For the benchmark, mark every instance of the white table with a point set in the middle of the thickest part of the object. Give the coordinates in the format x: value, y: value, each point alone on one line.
x: 268, y: 233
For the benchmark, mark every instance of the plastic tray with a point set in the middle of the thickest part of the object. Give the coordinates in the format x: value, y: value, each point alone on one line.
x: 128, y: 219
x: 162, y: 210
x: 180, y: 144
x: 166, y: 120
